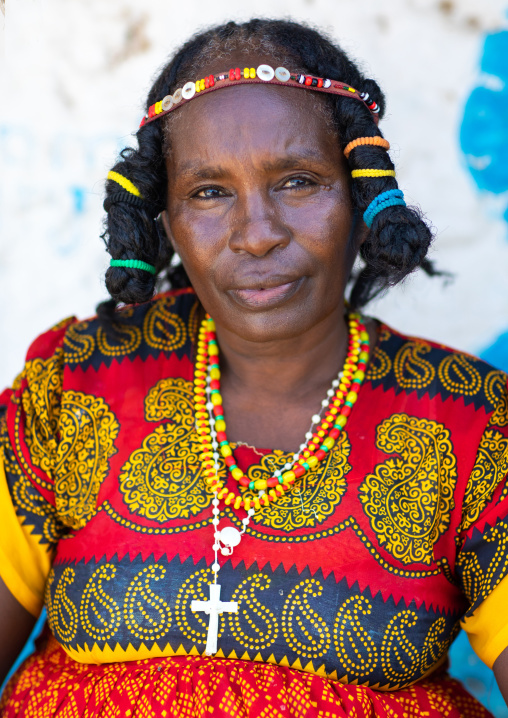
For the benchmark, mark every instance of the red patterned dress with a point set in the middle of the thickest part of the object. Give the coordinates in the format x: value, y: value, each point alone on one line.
x: 350, y: 589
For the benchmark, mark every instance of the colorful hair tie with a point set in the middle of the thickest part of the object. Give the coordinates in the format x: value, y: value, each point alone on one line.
x: 379, y: 141
x: 124, y: 182
x: 263, y: 74
x: 133, y: 264
x: 390, y: 198
x: 372, y: 173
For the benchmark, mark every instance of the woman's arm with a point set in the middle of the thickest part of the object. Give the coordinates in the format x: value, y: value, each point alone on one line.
x: 501, y: 673
x: 16, y: 624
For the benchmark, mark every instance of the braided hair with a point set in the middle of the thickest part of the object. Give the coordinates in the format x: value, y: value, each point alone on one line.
x: 398, y: 240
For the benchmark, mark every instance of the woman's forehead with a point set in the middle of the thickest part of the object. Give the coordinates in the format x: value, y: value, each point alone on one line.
x: 266, y: 117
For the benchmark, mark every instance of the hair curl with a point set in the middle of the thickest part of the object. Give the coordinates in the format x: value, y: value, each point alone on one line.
x: 398, y: 240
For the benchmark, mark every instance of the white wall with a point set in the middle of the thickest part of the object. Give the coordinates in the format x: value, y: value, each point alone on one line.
x: 73, y: 80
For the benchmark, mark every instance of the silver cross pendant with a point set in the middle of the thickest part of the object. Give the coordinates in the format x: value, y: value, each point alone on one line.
x: 214, y: 607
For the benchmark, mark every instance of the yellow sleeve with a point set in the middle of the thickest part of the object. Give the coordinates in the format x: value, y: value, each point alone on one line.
x: 24, y: 562
x: 487, y: 628
x: 482, y: 560
x: 29, y: 525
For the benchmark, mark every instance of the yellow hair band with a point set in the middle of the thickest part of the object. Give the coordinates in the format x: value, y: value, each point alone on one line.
x: 124, y: 182
x: 372, y: 173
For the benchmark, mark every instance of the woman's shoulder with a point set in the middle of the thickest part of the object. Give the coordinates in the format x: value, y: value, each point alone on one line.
x: 408, y: 363
x: 168, y: 323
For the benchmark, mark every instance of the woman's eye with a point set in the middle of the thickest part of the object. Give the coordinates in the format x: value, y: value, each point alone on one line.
x: 298, y: 183
x: 209, y: 193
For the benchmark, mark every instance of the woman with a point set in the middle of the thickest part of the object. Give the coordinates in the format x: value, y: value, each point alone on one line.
x: 202, y: 550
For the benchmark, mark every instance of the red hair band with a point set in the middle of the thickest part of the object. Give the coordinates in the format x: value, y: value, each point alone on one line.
x: 250, y: 75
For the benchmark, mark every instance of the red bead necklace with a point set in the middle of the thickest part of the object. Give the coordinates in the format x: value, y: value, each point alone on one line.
x: 211, y: 425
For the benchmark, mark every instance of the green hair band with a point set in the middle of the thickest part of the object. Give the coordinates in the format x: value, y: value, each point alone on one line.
x: 133, y: 264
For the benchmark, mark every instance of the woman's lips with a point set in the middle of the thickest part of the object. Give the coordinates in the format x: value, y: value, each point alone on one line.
x: 266, y: 296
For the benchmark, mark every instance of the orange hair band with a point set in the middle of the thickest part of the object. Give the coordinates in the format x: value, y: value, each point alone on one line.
x: 379, y: 141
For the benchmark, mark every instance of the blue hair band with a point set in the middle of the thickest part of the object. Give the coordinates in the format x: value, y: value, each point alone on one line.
x: 390, y: 198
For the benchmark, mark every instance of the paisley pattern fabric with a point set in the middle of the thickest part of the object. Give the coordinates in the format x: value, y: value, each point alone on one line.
x: 361, y: 574
x: 418, y: 485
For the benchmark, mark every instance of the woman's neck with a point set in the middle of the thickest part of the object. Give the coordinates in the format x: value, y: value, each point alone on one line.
x: 271, y: 389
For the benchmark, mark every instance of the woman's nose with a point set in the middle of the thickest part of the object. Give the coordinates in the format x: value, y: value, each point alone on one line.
x: 257, y: 228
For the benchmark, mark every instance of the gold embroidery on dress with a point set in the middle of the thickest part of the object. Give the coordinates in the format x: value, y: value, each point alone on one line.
x: 62, y: 613
x: 194, y: 626
x: 496, y: 393
x: 162, y: 329
x: 472, y: 575
x: 408, y: 500
x: 26, y: 498
x: 412, y: 371
x: 62, y: 324
x: 459, y: 376
x: 490, y: 469
x: 16, y: 384
x: 399, y: 657
x: 127, y: 341
x: 379, y: 365
x: 435, y: 645
x: 479, y: 582
x: 442, y: 567
x: 98, y: 607
x: 151, y: 530
x: 88, y: 430
x: 162, y: 480
x: 193, y: 321
x: 254, y: 626
x: 356, y: 649
x: 78, y: 344
x: 41, y: 405
x: 20, y: 456
x: 315, y: 498
x: 143, y: 606
x: 305, y: 631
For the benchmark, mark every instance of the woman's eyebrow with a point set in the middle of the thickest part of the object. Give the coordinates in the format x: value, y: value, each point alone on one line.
x: 199, y: 171
x: 295, y: 160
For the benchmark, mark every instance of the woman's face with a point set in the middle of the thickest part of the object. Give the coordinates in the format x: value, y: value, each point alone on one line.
x: 259, y: 209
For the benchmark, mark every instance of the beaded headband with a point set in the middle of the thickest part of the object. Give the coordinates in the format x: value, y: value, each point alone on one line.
x: 251, y: 75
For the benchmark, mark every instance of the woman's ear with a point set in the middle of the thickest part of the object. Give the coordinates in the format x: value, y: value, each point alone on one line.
x: 359, y: 229
x: 164, y: 217
x: 358, y: 232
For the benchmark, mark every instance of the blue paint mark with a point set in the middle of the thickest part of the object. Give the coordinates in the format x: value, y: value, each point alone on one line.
x: 78, y: 194
x: 28, y: 649
x: 497, y: 353
x: 484, y: 141
x: 484, y: 131
x: 476, y: 677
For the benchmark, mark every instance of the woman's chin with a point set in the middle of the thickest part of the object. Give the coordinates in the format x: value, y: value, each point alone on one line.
x: 277, y: 322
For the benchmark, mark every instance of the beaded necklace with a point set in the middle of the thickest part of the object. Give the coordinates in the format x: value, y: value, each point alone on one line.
x: 211, y: 427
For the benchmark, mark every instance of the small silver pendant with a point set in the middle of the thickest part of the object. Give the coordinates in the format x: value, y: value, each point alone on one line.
x: 230, y: 538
